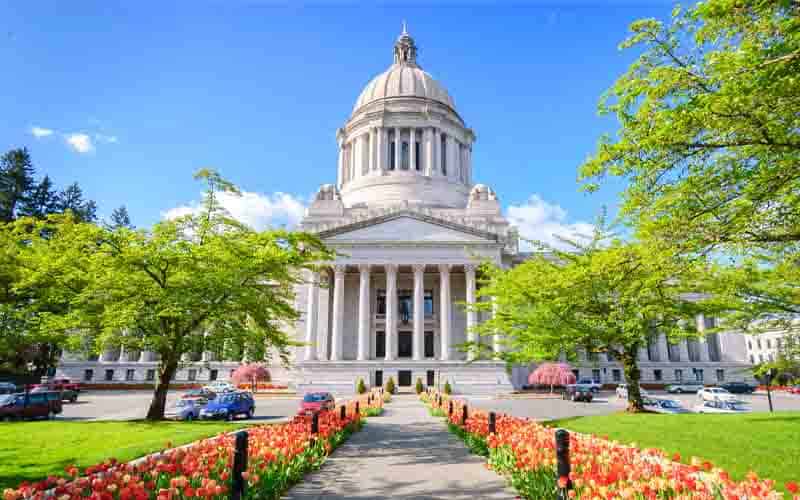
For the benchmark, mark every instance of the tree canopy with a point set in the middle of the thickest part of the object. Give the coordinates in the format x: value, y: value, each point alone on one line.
x: 709, y: 133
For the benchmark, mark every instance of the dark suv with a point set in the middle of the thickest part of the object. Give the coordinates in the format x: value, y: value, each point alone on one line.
x: 29, y: 406
x: 738, y: 387
x: 578, y: 393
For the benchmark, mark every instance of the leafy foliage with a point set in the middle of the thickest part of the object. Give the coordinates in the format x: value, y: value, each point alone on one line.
x: 418, y: 388
x: 361, y: 387
x: 250, y: 372
x: 390, y: 386
x: 447, y: 388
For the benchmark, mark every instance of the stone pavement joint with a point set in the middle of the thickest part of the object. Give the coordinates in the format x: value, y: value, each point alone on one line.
x: 405, y: 453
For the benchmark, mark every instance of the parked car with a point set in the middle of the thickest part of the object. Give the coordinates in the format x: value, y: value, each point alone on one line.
x: 229, y: 405
x: 622, y: 391
x: 67, y: 394
x: 204, y: 393
x: 795, y: 389
x: 684, y: 387
x: 578, y: 392
x: 219, y: 387
x: 186, y: 409
x: 317, y: 401
x: 719, y: 406
x: 65, y: 384
x: 592, y: 385
x: 7, y: 388
x: 28, y: 406
x: 665, y: 406
x: 739, y: 387
x: 715, y: 394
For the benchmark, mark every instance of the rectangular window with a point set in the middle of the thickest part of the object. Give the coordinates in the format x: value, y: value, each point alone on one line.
x: 150, y: 375
x: 109, y: 375
x: 404, y: 160
x: 652, y: 348
x: 88, y: 375
x: 616, y: 375
x: 679, y: 375
x: 380, y: 344
x: 404, y: 344
x: 428, y: 303
x: 657, y: 375
x: 443, y: 150
x: 714, y: 349
x: 431, y: 376
x: 212, y: 375
x: 378, y: 378
x: 129, y: 373
x: 417, y: 154
x: 694, y: 350
x: 404, y: 378
x: 674, y: 351
x: 392, y: 153
x: 698, y: 374
x: 596, y: 375
x: 720, y: 375
x: 192, y: 375
x: 405, y: 301
x: 429, y: 351
x: 380, y: 306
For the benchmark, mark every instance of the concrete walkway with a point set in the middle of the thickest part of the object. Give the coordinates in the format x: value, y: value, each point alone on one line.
x: 405, y: 453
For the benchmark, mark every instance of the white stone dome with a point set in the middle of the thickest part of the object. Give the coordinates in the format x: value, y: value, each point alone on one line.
x: 404, y: 80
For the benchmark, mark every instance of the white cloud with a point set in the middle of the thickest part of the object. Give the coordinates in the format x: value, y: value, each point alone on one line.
x: 40, y: 132
x: 257, y: 210
x: 81, y: 143
x: 111, y: 139
x: 539, y: 220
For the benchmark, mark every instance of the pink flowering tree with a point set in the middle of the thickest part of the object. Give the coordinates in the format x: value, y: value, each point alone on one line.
x: 552, y: 374
x: 250, y: 373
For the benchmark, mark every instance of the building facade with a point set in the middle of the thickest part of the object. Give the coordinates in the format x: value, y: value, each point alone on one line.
x: 409, y: 226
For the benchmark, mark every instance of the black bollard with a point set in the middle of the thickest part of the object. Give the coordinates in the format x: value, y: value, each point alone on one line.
x: 450, y: 408
x: 464, y: 416
x: 492, y: 422
x: 238, y: 484
x: 562, y: 461
x: 315, y: 423
x: 343, y: 412
x: 358, y: 411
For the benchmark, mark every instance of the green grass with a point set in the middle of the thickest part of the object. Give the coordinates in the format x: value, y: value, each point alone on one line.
x: 30, y: 451
x: 768, y: 444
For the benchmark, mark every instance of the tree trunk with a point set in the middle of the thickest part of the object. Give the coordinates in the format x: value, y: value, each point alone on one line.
x: 632, y: 376
x: 167, y: 370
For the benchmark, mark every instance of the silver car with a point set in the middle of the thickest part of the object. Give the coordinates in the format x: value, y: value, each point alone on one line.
x: 186, y: 409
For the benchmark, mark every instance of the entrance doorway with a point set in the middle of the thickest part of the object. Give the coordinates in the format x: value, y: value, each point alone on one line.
x: 405, y: 344
x: 378, y: 378
x: 404, y: 378
x: 431, y: 378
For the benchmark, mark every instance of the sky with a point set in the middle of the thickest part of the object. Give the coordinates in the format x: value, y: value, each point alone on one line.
x: 130, y: 98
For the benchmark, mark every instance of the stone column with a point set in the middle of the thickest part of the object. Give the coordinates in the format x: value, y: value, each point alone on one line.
x: 456, y: 160
x: 472, y: 316
x: 340, y: 171
x: 428, y: 141
x: 363, y: 313
x: 642, y: 354
x: 351, y: 153
x: 418, y: 341
x: 444, y: 308
x: 448, y: 157
x: 311, y: 316
x: 412, y: 151
x: 338, y: 313
x: 468, y: 161
x: 123, y: 355
x: 206, y: 355
x: 397, y: 143
x: 372, y: 149
x: 437, y: 154
x: 663, y: 348
x: 391, y: 310
x: 684, y: 350
x: 496, y: 344
x: 323, y: 310
x: 702, y: 343
x: 380, y: 145
x: 146, y: 356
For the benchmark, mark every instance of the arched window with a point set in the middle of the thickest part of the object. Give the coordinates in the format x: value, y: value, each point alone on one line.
x: 404, y: 155
x: 443, y: 150
x: 418, y: 152
x: 392, y: 153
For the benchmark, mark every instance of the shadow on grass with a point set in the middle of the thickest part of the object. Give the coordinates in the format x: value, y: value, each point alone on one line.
x: 34, y: 471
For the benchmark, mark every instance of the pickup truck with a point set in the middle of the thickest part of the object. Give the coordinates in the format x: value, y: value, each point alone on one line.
x: 589, y: 384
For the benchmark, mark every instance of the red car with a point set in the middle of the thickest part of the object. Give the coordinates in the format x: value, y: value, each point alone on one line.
x: 317, y: 401
x: 795, y: 389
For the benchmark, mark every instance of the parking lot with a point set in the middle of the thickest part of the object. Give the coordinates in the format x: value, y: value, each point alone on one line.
x: 131, y: 405
x: 606, y: 402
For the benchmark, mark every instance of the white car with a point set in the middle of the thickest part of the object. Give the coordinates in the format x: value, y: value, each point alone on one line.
x: 719, y: 406
x: 681, y: 387
x: 219, y: 387
x: 622, y: 391
x: 715, y: 394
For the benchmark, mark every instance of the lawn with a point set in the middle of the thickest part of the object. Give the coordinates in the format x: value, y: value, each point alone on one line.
x: 768, y: 444
x: 30, y: 451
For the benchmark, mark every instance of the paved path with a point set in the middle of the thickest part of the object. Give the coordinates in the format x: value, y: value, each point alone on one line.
x: 405, y: 453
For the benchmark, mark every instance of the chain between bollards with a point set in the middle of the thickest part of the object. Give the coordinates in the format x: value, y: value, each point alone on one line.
x: 238, y: 484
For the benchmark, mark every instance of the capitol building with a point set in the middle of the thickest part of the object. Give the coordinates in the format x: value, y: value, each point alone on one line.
x: 410, y: 226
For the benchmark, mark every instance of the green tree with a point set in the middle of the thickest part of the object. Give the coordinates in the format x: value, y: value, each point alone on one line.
x: 71, y: 198
x: 390, y: 386
x: 418, y: 388
x: 709, y: 134
x: 607, y: 296
x: 361, y: 387
x: 187, y: 285
x: 42, y: 201
x: 120, y: 218
x: 16, y: 181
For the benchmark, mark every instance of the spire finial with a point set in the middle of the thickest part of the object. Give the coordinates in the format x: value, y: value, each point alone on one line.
x: 405, y: 52
x: 405, y: 30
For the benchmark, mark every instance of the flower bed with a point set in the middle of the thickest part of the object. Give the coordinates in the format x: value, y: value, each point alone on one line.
x: 524, y: 452
x: 263, y: 386
x: 278, y: 456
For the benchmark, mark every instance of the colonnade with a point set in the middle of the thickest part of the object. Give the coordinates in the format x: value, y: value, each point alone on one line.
x: 364, y: 321
x: 427, y: 150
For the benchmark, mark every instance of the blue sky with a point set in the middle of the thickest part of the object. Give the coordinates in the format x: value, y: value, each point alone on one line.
x: 138, y: 95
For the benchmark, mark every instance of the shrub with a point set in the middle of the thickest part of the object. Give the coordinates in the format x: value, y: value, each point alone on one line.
x: 387, y: 397
x: 419, y: 388
x: 390, y: 387
x: 361, y: 387
x: 447, y: 389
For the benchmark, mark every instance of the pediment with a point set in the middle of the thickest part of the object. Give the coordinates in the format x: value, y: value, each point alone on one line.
x: 408, y: 227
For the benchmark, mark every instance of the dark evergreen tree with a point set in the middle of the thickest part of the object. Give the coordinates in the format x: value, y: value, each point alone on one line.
x: 71, y: 198
x: 16, y: 181
x: 43, y: 200
x: 120, y: 218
